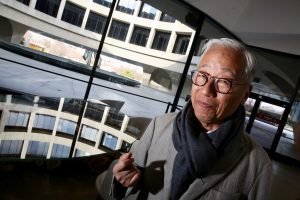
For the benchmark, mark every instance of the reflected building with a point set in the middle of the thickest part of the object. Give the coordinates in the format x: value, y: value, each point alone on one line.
x: 33, y: 126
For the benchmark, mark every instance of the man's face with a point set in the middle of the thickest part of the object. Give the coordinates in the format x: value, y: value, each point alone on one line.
x: 211, y: 107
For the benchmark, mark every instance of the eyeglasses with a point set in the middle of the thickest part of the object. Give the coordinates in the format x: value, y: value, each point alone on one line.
x: 221, y: 85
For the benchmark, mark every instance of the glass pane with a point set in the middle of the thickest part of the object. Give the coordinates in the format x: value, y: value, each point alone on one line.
x: 49, y: 7
x: 73, y: 14
x: 126, y: 6
x: 143, y: 72
x: 95, y: 23
x: 167, y: 18
x: 140, y: 36
x: 289, y: 144
x: 276, y: 74
x: 147, y: 11
x: 266, y: 123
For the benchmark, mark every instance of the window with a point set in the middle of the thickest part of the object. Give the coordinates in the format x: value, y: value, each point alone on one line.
x: 89, y: 133
x: 167, y: 18
x: 11, y: 147
x: 44, y: 122
x: 26, y: 2
x: 140, y: 36
x: 161, y: 40
x: 72, y: 106
x: 49, y: 7
x: 60, y: 151
x: 80, y: 153
x: 37, y: 149
x: 73, y: 14
x: 109, y: 141
x: 115, y: 119
x: 126, y: 6
x: 181, y: 44
x: 94, y: 111
x: 105, y: 3
x: 49, y: 102
x: 22, y: 99
x: 17, y: 119
x: 95, y: 23
x: 147, y: 11
x: 118, y: 30
x: 2, y: 98
x: 66, y: 126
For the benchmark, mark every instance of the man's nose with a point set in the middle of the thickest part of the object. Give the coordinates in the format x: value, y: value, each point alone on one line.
x: 209, y: 88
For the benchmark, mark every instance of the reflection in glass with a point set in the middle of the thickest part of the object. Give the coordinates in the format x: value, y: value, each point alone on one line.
x: 118, y: 30
x: 137, y: 125
x: 140, y: 36
x: 266, y: 123
x: 89, y: 133
x: 115, y: 119
x: 2, y: 98
x: 181, y: 44
x: 60, y: 151
x: 73, y: 14
x: 167, y: 18
x: 10, y: 147
x: 18, y: 119
x: 289, y: 143
x: 47, y: 102
x: 55, y: 132
x: 161, y: 40
x: 66, y: 126
x: 147, y: 11
x: 72, y: 106
x: 80, y: 153
x: 43, y: 123
x: 95, y: 22
x: 126, y: 6
x: 49, y: 7
x: 109, y: 141
x: 105, y: 3
x: 94, y: 111
x: 22, y: 99
x: 37, y: 149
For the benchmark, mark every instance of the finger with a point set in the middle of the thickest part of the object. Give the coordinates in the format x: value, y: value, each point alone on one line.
x: 135, y: 179
x: 123, y: 165
x: 130, y: 179
x: 126, y: 156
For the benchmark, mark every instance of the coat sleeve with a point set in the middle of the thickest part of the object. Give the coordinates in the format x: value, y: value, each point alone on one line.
x: 139, y: 151
x: 261, y: 187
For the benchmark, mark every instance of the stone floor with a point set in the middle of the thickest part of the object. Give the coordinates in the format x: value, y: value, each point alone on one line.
x: 285, y: 182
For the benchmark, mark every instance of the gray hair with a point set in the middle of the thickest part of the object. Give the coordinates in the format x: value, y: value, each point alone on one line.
x: 249, y: 58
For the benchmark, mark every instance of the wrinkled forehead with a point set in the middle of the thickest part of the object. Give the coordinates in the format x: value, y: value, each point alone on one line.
x: 224, y: 60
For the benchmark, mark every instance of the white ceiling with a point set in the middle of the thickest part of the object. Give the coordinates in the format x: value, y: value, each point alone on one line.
x: 271, y: 24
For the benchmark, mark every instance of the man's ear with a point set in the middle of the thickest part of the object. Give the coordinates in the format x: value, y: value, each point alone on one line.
x: 247, y: 94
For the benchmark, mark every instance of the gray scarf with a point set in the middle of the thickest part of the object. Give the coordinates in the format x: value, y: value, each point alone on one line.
x: 197, y: 150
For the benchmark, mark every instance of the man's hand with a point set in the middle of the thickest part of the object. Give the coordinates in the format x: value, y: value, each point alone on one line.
x: 125, y: 172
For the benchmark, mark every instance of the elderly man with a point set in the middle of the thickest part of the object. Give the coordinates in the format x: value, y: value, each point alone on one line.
x: 201, y: 152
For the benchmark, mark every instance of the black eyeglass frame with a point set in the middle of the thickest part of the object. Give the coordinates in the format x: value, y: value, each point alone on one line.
x: 215, y: 79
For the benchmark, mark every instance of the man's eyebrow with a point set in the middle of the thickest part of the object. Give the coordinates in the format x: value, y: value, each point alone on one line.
x: 205, y: 65
x: 228, y: 69
x: 225, y: 69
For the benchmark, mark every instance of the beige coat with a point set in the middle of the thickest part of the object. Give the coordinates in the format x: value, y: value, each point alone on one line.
x: 242, y: 172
